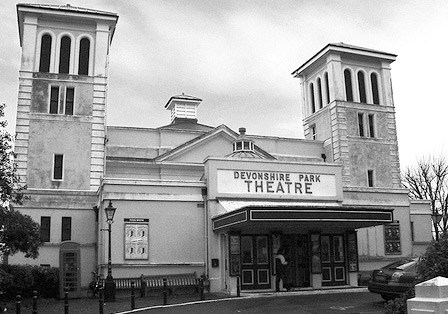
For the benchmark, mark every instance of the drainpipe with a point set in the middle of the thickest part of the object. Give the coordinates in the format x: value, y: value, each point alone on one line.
x: 206, y: 252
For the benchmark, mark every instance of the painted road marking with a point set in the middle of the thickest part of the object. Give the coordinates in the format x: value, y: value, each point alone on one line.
x: 342, y: 308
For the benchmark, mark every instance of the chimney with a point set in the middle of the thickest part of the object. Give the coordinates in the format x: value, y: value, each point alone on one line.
x: 183, y: 108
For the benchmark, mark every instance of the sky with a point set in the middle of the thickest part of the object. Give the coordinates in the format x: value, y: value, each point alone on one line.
x: 238, y: 56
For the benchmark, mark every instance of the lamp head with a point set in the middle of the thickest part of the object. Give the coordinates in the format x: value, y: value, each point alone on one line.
x: 110, y: 212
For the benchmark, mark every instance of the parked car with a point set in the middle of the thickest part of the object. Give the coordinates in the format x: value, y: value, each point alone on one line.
x: 395, y: 279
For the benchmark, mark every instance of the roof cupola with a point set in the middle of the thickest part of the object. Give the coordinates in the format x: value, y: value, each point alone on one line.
x: 244, y: 147
x: 183, y: 108
x: 243, y: 143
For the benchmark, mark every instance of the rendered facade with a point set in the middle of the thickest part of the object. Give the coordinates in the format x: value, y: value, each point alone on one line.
x: 196, y: 198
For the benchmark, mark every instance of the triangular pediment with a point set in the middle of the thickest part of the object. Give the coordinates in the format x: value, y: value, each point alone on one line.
x: 215, y: 143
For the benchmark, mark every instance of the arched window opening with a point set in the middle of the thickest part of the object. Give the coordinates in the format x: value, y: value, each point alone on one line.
x: 362, y: 88
x: 64, y: 57
x: 348, y: 85
x: 319, y: 90
x: 375, y: 92
x: 84, y: 52
x: 327, y: 87
x: 45, y: 54
x: 313, y: 103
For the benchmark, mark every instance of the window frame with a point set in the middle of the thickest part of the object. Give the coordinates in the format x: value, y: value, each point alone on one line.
x: 45, y: 228
x: 65, y: 54
x: 66, y: 229
x: 375, y: 90
x: 327, y: 87
x: 361, y: 124
x: 47, y: 55
x: 312, y: 98
x: 313, y: 131
x: 52, y: 101
x: 52, y: 50
x: 370, y: 178
x: 348, y: 84
x: 61, y: 167
x: 362, y: 87
x: 72, y: 101
x: 371, y: 119
x: 319, y: 93
x: 84, y: 56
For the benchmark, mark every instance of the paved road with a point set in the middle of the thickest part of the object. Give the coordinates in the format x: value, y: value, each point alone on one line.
x: 330, y: 302
x: 336, y: 303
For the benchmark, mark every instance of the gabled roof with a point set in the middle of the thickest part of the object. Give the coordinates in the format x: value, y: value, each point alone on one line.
x: 222, y: 129
x: 346, y: 48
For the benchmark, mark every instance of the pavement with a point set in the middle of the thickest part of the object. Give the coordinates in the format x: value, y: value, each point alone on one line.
x: 148, y: 304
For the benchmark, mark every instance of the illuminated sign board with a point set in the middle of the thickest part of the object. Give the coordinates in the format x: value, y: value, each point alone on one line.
x: 276, y: 184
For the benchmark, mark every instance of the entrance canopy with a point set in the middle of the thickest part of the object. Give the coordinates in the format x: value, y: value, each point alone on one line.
x: 241, y: 214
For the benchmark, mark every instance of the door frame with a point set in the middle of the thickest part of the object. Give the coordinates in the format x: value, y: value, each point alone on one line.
x: 334, y: 269
x: 64, y: 248
x: 257, y: 269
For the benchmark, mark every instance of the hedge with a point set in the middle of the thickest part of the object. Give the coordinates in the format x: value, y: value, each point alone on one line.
x: 24, y: 279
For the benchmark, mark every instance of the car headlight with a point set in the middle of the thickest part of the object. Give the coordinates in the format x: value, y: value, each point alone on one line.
x: 396, y: 276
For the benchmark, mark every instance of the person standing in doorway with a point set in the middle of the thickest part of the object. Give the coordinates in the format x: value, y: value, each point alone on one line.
x: 280, y: 268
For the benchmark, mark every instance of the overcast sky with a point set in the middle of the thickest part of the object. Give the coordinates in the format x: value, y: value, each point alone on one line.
x: 238, y: 57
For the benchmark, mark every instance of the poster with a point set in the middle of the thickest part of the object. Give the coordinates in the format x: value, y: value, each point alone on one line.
x: 136, y: 241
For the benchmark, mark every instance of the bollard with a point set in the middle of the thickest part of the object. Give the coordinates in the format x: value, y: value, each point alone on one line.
x: 101, y: 300
x: 132, y: 296
x: 18, y: 304
x: 430, y: 297
x: 201, y: 288
x: 66, y: 300
x: 165, y: 292
x: 142, y: 287
x: 238, y: 292
x: 34, y: 302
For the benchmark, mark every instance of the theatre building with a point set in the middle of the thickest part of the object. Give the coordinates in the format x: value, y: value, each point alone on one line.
x: 208, y: 199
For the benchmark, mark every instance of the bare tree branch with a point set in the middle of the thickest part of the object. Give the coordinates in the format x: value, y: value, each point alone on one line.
x: 429, y: 180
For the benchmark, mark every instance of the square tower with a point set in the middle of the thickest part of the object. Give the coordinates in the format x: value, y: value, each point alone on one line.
x: 347, y: 103
x: 62, y: 95
x: 61, y: 131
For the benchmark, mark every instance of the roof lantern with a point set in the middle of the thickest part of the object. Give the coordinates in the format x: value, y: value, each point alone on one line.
x: 243, y: 143
x: 183, y: 108
x: 243, y: 146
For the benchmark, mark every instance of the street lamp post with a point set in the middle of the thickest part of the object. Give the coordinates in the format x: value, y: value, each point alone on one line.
x: 109, y: 284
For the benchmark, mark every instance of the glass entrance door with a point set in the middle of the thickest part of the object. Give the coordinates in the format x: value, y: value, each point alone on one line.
x: 255, y: 268
x: 297, y: 255
x: 333, y: 260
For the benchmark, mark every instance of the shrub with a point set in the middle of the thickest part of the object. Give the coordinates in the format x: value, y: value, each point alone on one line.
x: 5, y: 281
x: 46, y: 281
x: 433, y: 263
x: 22, y: 282
x: 24, y: 279
x: 399, y: 305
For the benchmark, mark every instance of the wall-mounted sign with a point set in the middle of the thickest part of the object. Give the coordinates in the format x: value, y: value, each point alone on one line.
x: 291, y: 184
x: 136, y: 238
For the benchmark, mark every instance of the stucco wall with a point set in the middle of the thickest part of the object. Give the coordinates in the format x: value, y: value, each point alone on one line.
x: 175, y: 213
x: 48, y: 137
x: 40, y: 99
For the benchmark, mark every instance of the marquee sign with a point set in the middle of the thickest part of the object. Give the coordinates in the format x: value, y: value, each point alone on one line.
x: 276, y: 184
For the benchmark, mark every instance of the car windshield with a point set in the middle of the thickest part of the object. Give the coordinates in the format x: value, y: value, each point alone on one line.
x: 408, y: 266
x: 397, y: 264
